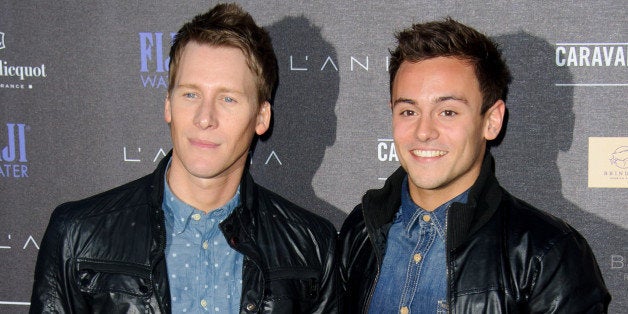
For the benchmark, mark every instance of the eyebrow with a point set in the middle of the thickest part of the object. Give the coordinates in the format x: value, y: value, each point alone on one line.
x: 220, y: 90
x: 192, y: 86
x: 455, y: 98
x: 434, y: 101
x: 403, y: 100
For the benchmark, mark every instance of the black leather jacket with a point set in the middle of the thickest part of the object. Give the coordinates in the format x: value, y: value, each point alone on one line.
x: 105, y: 254
x: 503, y: 255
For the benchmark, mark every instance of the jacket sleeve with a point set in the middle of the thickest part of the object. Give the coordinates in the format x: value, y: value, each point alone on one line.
x: 52, y: 286
x: 568, y: 279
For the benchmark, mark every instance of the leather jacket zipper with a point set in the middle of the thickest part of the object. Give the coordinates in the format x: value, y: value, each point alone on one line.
x: 261, y: 284
x: 447, y: 258
x: 110, y: 267
x: 162, y: 251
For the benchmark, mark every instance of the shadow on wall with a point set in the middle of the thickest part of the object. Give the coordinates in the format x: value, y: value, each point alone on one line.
x: 304, y: 120
x: 540, y: 125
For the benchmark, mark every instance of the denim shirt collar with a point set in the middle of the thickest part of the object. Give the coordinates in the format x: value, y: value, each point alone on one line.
x: 180, y: 213
x: 409, y: 212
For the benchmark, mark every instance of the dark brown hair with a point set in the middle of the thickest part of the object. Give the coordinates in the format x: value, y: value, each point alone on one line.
x: 449, y: 38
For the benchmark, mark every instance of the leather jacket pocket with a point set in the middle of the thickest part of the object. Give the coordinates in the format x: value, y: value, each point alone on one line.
x: 293, y: 283
x: 108, y: 277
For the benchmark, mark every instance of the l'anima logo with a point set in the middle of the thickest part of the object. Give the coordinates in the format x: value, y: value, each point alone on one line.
x: 303, y: 61
x: 136, y: 154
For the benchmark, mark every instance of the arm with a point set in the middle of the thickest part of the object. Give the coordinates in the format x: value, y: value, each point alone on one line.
x: 568, y: 279
x: 51, y: 289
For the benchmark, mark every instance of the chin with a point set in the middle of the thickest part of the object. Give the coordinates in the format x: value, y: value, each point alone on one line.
x: 427, y: 184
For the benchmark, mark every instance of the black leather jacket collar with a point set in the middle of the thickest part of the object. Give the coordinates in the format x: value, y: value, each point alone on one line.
x: 380, y: 206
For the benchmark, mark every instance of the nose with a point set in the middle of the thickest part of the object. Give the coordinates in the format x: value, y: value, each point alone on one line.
x: 206, y: 115
x: 426, y: 129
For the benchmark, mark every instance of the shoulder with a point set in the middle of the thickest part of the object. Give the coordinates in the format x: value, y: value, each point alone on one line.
x: 557, y: 261
x: 126, y: 195
x: 110, y: 224
x: 118, y: 204
x: 523, y: 215
x: 539, y: 229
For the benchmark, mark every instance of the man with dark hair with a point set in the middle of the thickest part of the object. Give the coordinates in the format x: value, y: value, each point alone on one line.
x: 442, y: 235
x: 197, y: 234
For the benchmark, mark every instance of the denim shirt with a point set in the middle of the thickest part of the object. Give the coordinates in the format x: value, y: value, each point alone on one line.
x: 205, y: 273
x: 413, y: 276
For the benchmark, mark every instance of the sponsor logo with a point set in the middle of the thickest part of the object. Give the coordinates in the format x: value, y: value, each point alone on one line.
x: 137, y: 155
x: 618, y: 262
x: 608, y: 162
x: 591, y: 54
x: 24, y: 73
x: 619, y: 157
x: 9, y: 242
x: 386, y: 153
x: 14, y: 244
x: 13, y: 159
x: 304, y: 62
x: 154, y: 60
x: 386, y: 150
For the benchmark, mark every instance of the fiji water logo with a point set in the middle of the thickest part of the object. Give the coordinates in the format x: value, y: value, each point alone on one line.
x: 13, y: 159
x: 154, y: 60
x: 619, y: 157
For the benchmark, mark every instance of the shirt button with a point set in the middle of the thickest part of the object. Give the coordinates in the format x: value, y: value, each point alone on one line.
x: 427, y: 218
x: 404, y: 310
x: 417, y: 257
x: 205, y: 245
x: 203, y: 303
x: 196, y: 217
x: 250, y: 307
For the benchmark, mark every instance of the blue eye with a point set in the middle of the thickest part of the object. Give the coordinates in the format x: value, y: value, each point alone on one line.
x: 189, y: 95
x: 229, y: 99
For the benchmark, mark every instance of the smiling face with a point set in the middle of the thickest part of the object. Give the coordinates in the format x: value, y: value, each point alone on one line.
x: 213, y: 113
x: 439, y: 132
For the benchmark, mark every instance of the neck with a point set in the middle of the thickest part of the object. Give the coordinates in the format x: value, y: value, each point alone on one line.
x: 201, y: 193
x: 429, y: 200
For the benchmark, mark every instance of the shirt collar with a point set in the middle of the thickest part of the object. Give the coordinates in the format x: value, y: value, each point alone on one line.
x: 180, y: 213
x: 409, y: 211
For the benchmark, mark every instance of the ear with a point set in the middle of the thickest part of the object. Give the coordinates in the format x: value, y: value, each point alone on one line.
x: 167, y: 109
x: 263, y: 118
x: 494, y: 119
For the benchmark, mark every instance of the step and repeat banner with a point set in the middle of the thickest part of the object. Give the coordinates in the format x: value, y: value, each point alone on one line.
x: 82, y: 87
